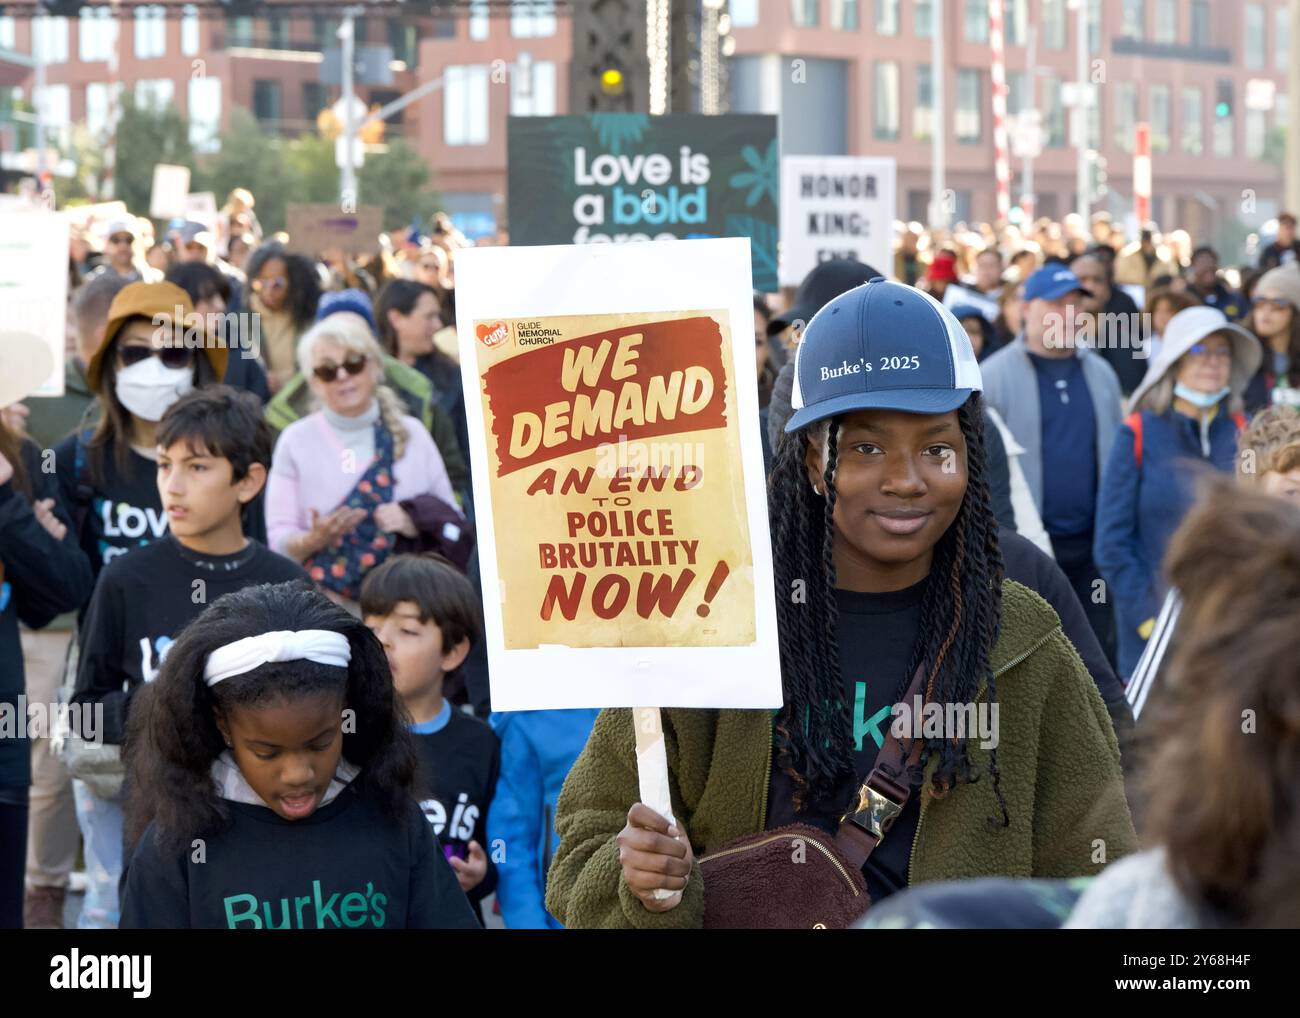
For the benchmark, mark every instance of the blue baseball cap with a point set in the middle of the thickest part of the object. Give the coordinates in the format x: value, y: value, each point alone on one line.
x: 1052, y: 282
x: 882, y: 346
x: 356, y: 301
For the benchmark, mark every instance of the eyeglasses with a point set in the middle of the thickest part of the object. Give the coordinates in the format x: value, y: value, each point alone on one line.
x: 1204, y: 350
x: 1273, y: 303
x: 278, y: 282
x: 171, y: 356
x: 329, y: 371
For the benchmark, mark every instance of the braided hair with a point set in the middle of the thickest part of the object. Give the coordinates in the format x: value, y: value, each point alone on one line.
x: 961, y: 612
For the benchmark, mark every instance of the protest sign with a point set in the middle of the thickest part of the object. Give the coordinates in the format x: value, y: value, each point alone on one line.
x: 34, y: 283
x: 619, y: 487
x: 170, y: 186
x: 614, y: 177
x: 201, y: 207
x: 315, y: 228
x: 836, y: 207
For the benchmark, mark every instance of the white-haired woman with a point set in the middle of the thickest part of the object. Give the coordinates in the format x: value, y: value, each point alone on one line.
x: 1186, y: 414
x: 357, y: 478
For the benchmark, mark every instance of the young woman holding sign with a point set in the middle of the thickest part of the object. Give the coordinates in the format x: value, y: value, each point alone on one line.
x: 999, y: 758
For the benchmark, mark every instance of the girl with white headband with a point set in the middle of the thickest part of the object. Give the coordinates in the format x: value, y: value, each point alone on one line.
x: 274, y: 780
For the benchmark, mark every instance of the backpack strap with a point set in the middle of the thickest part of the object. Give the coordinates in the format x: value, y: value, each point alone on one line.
x: 1134, y: 421
x: 84, y: 491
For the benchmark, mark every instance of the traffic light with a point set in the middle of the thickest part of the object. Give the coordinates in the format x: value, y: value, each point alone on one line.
x: 1223, y: 99
x: 610, y: 69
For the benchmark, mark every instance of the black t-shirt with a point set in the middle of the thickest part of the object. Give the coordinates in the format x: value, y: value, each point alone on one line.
x: 347, y: 866
x: 877, y: 637
x: 123, y: 510
x: 457, y: 775
x: 140, y: 604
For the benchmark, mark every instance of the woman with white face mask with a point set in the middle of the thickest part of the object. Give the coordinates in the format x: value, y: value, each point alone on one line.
x: 1186, y: 415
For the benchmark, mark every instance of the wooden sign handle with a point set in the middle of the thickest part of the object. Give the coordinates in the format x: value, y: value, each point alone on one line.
x: 652, y: 769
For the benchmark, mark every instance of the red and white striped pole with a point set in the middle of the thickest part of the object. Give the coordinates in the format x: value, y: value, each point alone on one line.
x: 1142, y: 173
x: 1001, y: 158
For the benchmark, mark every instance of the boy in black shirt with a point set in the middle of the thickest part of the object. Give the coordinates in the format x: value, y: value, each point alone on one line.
x: 426, y: 614
x: 214, y: 450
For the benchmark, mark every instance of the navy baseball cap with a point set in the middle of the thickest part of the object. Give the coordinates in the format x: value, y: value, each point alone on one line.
x: 1052, y: 282
x: 882, y: 346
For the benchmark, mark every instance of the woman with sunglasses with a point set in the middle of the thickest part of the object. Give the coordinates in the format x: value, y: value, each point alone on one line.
x: 1186, y: 415
x: 358, y: 478
x: 1275, y: 319
x: 285, y: 290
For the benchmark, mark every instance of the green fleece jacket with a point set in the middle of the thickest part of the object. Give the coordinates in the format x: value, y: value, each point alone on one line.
x: 1057, y: 758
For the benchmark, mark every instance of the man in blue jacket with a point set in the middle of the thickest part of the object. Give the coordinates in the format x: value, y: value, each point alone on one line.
x: 1066, y: 431
x: 538, y: 748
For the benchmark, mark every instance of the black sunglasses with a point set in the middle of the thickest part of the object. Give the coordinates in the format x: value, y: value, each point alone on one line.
x: 171, y: 356
x: 329, y: 371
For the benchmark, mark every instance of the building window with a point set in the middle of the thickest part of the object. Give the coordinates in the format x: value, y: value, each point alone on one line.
x: 205, y: 114
x: 7, y: 40
x: 1126, y: 114
x: 1281, y: 37
x: 923, y: 19
x: 969, y: 106
x: 314, y: 99
x: 1094, y: 26
x: 51, y: 36
x: 1158, y: 117
x: 190, y: 31
x: 844, y: 15
x: 923, y: 107
x: 103, y: 108
x: 1256, y: 133
x: 479, y: 24
x: 277, y: 31
x: 1054, y: 24
x: 1192, y: 132
x: 533, y: 94
x: 1224, y: 122
x: 532, y: 20
x: 1166, y: 21
x: 1200, y: 22
x: 241, y: 33
x: 977, y: 20
x: 322, y: 32
x: 1280, y: 110
x: 1015, y: 22
x: 404, y: 41
x: 886, y: 100
x: 267, y: 104
x: 1256, y: 47
x: 1053, y: 113
x: 361, y: 30
x: 887, y: 16
x: 803, y: 13
x: 1017, y: 92
x: 150, y: 32
x: 465, y: 105
x: 155, y: 94
x: 744, y: 13
x: 1134, y: 20
x: 1092, y: 125
x: 97, y: 33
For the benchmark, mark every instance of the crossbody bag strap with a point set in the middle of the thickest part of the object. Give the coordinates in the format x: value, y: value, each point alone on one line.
x: 884, y: 794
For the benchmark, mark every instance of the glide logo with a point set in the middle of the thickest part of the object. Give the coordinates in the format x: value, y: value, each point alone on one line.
x: 338, y: 911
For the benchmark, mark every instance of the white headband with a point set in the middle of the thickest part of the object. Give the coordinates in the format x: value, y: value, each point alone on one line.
x: 324, y: 646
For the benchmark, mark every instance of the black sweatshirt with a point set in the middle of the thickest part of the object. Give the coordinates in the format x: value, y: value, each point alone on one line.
x: 347, y: 866
x: 458, y: 766
x: 140, y: 604
x: 877, y: 636
x: 123, y: 511
x: 40, y: 578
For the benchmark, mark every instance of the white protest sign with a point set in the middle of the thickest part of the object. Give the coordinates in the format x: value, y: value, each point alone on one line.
x: 201, y: 207
x: 955, y: 295
x: 34, y: 283
x: 171, y: 184
x: 836, y: 207
x: 621, y: 506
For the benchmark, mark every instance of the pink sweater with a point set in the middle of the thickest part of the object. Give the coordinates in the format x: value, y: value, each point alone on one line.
x: 308, y: 471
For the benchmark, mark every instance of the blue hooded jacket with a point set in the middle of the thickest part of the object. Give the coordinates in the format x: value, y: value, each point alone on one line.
x: 1139, y: 507
x: 538, y: 747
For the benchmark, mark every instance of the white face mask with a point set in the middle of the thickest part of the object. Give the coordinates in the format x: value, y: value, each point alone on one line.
x: 147, y: 389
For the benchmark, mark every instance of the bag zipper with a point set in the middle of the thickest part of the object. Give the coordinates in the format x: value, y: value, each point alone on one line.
x: 767, y: 773
x: 778, y: 837
x: 920, y: 819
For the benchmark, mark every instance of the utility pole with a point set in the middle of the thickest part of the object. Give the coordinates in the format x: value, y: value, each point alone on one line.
x: 1081, y: 110
x: 938, y: 130
x: 40, y: 30
x: 1027, y: 197
x: 348, y: 174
